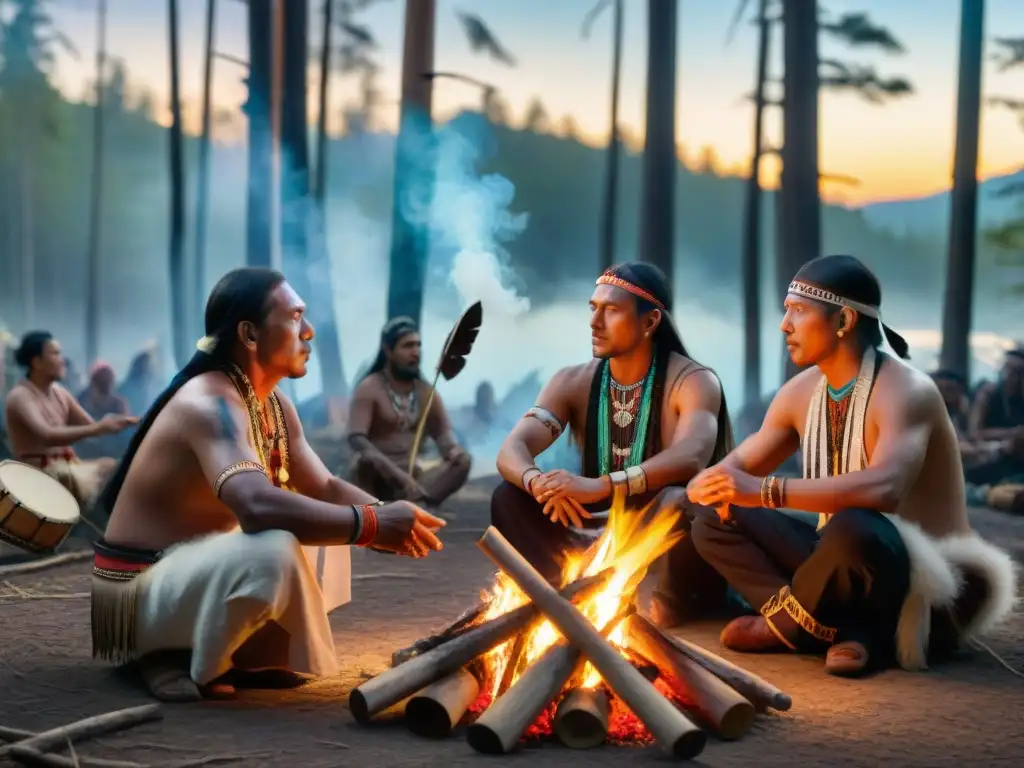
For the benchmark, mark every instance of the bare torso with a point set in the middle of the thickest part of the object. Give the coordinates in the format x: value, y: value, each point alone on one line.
x: 389, y: 432
x: 166, y: 498
x: 936, y: 499
x: 54, y: 406
x: 580, y: 379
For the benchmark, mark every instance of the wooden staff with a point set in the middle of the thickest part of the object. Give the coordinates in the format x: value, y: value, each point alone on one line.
x: 759, y: 691
x: 676, y: 734
x: 394, y: 684
x: 437, y: 709
x: 724, y: 708
x: 581, y: 720
x: 499, y: 729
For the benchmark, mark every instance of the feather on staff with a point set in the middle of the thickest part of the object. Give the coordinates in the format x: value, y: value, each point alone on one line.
x: 453, y: 359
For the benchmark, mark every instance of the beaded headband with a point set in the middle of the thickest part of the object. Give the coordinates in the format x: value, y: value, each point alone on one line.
x: 822, y: 294
x: 609, y: 279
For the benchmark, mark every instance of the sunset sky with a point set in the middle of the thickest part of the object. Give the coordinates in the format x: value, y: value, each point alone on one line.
x: 902, y: 149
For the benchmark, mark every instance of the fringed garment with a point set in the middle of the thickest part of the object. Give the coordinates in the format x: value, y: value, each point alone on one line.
x: 212, y: 593
x: 834, y: 430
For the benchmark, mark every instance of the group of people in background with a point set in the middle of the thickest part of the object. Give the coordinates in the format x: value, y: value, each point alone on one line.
x: 989, y: 421
x: 385, y: 407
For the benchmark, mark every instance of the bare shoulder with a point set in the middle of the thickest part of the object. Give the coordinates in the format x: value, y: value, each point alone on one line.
x: 208, y: 401
x: 901, y: 388
x: 683, y: 373
x: 574, y: 376
x: 793, y: 398
x: 368, y: 388
x: 290, y: 412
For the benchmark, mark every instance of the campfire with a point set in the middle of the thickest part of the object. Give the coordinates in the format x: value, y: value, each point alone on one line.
x: 578, y: 664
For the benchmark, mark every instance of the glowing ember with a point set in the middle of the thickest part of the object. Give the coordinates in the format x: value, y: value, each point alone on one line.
x: 631, y: 541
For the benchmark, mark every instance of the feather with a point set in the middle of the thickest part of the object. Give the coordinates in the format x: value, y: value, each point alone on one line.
x: 460, y: 342
x: 453, y: 359
x: 481, y: 39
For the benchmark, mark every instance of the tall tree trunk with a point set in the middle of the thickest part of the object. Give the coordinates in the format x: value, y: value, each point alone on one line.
x: 800, y: 203
x: 410, y: 242
x: 608, y: 215
x: 657, y: 205
x: 27, y: 230
x: 293, y: 155
x: 328, y: 339
x: 203, y: 185
x: 179, y: 307
x: 958, y: 307
x: 94, y: 300
x: 259, y: 199
x: 752, y: 229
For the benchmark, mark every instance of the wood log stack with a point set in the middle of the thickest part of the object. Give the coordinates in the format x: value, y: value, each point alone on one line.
x: 438, y: 680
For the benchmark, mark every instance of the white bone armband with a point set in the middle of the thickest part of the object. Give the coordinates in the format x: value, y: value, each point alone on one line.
x: 547, y: 418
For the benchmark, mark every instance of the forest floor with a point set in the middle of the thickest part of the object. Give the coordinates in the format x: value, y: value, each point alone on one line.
x: 967, y: 712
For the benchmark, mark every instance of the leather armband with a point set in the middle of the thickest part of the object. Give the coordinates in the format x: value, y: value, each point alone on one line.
x: 547, y: 418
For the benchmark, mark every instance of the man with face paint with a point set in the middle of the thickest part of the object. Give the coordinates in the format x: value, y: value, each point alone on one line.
x: 385, y: 410
x: 893, y: 554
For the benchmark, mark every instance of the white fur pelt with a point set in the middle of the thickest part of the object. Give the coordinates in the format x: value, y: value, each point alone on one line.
x: 936, y: 578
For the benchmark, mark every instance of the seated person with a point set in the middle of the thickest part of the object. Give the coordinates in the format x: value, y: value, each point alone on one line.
x: 881, y: 468
x: 98, y: 399
x: 385, y: 411
x: 44, y: 420
x: 201, y: 572
x: 996, y: 425
x: 645, y: 414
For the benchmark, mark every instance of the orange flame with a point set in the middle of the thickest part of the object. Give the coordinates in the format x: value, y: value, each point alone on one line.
x: 630, y: 542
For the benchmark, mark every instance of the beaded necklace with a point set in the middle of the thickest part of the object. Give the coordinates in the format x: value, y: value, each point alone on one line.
x: 608, y: 454
x: 838, y: 408
x: 270, y: 432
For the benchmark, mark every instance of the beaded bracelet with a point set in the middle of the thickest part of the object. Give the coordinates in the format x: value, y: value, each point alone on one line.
x: 368, y: 525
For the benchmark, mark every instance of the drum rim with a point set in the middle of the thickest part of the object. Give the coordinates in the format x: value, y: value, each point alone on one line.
x: 40, y: 515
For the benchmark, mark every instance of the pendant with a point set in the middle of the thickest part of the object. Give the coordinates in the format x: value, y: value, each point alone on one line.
x: 623, y: 418
x: 282, y: 476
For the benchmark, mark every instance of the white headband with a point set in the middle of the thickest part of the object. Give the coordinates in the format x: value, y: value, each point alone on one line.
x: 821, y: 294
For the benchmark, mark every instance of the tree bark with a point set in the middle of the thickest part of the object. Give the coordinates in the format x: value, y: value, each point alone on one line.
x: 94, y: 297
x: 657, y: 206
x: 752, y: 230
x: 800, y: 203
x: 328, y: 338
x: 958, y: 306
x: 179, y: 308
x: 203, y: 187
x: 259, y: 199
x: 410, y: 242
x: 608, y: 215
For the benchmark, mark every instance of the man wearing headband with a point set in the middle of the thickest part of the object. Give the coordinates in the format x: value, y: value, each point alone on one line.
x: 383, y: 417
x: 647, y: 418
x: 892, y: 553
x: 224, y: 524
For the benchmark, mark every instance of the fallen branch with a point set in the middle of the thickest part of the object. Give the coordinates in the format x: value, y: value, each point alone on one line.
x: 44, y: 760
x: 96, y: 725
x: 47, y: 562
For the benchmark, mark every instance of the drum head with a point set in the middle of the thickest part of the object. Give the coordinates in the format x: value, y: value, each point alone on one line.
x: 39, y: 492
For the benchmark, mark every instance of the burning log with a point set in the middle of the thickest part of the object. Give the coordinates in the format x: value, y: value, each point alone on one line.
x: 460, y: 626
x: 437, y: 709
x: 676, y: 734
x: 397, y: 683
x: 759, y: 691
x: 499, y: 729
x: 581, y: 720
x: 728, y: 712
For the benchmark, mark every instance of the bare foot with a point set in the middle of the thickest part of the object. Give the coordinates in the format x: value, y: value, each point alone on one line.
x: 847, y: 659
x: 166, y: 675
x: 751, y: 634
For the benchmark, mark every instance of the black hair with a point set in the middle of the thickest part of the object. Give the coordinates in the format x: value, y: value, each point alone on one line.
x: 847, y: 276
x: 393, y: 331
x: 238, y: 297
x: 32, y: 345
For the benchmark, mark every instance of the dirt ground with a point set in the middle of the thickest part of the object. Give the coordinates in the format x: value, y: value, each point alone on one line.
x: 970, y: 712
